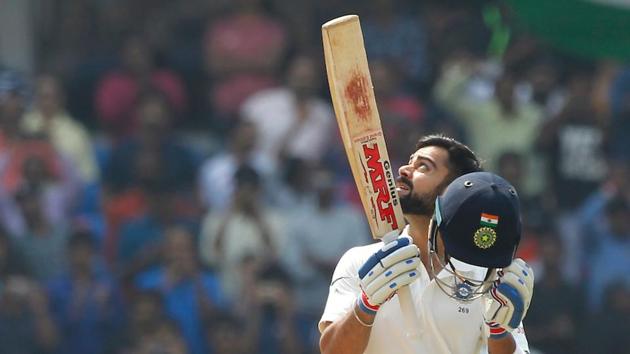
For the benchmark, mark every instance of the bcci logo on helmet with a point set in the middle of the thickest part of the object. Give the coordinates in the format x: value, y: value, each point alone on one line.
x: 485, y: 237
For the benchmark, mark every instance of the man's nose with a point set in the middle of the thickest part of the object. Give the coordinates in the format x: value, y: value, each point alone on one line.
x: 405, y: 171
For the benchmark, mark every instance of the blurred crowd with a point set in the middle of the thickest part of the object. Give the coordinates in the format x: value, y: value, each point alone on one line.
x: 171, y: 179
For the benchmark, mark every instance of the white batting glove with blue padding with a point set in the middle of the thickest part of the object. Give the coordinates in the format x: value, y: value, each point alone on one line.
x: 509, y: 298
x: 395, y: 265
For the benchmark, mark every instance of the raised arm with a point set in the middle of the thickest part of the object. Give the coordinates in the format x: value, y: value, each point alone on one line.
x: 356, y: 295
x: 348, y: 335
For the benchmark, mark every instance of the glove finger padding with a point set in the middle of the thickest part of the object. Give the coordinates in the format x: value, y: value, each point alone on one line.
x: 510, y: 297
x: 399, y: 255
x: 384, y: 292
x: 370, y: 286
x: 524, y: 272
x: 392, y: 267
x: 385, y: 251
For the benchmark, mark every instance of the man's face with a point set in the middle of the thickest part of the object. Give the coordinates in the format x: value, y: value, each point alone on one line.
x: 422, y: 180
x: 81, y: 256
x: 504, y: 89
x: 302, y: 77
x: 179, y: 248
x: 48, y: 95
x: 11, y: 108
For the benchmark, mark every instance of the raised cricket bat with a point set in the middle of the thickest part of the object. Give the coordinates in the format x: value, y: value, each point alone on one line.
x: 360, y: 127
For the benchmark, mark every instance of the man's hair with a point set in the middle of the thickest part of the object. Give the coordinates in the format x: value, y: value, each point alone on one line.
x: 461, y: 159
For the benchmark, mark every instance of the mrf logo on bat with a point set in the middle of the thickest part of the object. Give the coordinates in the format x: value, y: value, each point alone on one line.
x: 379, y: 177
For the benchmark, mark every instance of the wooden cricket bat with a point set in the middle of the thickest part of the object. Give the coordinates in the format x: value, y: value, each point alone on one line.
x: 360, y: 127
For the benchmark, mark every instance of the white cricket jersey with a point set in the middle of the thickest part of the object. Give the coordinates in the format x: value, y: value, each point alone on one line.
x: 447, y: 326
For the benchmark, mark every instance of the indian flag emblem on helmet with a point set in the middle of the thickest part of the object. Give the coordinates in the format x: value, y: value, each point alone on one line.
x: 489, y: 220
x: 485, y: 237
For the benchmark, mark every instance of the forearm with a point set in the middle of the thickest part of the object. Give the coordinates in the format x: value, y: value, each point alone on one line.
x: 449, y: 90
x: 504, y: 345
x: 347, y: 335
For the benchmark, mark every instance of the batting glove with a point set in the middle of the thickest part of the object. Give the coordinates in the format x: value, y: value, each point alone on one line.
x: 395, y: 265
x: 509, y: 298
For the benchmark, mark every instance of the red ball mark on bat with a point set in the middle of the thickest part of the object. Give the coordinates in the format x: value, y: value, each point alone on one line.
x: 357, y: 92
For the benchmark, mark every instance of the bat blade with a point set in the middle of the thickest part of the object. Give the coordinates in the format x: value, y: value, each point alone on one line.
x: 360, y: 125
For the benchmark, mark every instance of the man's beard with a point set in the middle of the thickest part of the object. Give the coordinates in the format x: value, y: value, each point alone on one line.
x: 413, y: 204
x: 417, y: 205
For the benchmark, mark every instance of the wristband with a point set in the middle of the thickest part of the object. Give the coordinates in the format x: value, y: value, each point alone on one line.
x: 496, y: 331
x: 365, y: 306
x: 356, y: 317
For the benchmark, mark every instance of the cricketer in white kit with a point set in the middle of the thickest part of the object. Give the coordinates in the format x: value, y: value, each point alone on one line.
x: 457, y: 257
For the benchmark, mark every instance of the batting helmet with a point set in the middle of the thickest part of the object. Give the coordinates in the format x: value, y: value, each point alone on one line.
x: 478, y: 219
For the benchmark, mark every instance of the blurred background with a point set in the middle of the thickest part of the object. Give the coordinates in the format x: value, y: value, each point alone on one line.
x: 171, y: 179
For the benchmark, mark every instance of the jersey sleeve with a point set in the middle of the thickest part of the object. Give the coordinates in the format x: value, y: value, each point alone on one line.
x: 520, y: 339
x: 344, y: 288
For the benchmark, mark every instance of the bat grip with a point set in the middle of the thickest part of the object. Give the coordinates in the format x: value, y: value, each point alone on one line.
x: 408, y: 310
x: 410, y: 318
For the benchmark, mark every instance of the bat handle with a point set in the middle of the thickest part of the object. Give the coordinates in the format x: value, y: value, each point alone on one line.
x: 408, y: 310
x: 405, y: 299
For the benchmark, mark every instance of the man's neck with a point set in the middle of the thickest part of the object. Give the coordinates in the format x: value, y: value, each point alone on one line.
x: 419, y: 232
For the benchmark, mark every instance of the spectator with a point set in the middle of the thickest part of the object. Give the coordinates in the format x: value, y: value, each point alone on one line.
x: 247, y: 228
x: 57, y: 200
x: 494, y: 126
x: 318, y: 237
x: 190, y: 293
x: 43, y: 245
x: 542, y: 86
x: 119, y: 89
x: 271, y: 318
x: 26, y: 325
x: 574, y: 141
x: 553, y: 319
x: 50, y: 120
x: 574, y: 144
x: 139, y: 210
x: 310, y: 263
x: 619, y: 131
x: 57, y: 168
x: 224, y: 334
x: 609, y: 246
x: 13, y: 99
x: 607, y: 331
x: 242, y: 51
x: 292, y: 121
x: 15, y: 149
x: 216, y: 182
x: 141, y: 237
x: 146, y: 311
x: 84, y: 300
x: 173, y: 162
x: 165, y: 339
x: 294, y: 193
